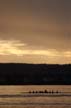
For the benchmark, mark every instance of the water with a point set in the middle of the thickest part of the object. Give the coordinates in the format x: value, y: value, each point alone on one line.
x: 16, y: 97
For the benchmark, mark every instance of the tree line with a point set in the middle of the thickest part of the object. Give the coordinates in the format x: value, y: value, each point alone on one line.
x: 34, y: 74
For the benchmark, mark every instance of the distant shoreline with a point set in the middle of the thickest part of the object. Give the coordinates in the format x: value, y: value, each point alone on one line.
x: 35, y: 74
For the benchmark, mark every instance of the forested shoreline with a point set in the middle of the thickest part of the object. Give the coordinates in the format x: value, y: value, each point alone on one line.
x: 34, y: 74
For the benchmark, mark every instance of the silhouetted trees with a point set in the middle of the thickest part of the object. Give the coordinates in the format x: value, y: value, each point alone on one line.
x: 34, y: 74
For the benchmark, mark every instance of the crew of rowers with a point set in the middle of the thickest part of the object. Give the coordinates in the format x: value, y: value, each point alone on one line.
x: 45, y: 91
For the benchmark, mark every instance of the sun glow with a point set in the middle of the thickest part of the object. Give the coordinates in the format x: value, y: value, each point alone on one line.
x: 16, y: 47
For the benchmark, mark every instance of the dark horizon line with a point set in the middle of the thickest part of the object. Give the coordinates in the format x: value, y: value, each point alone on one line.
x: 26, y: 74
x: 34, y: 63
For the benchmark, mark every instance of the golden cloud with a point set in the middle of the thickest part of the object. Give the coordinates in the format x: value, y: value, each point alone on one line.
x: 16, y: 47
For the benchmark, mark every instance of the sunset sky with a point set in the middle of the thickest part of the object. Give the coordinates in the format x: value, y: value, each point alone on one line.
x: 35, y: 31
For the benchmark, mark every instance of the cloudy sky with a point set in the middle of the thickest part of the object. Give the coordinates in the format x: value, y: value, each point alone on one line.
x: 35, y: 31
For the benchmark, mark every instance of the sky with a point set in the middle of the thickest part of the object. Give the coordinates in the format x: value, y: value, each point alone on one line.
x: 35, y: 31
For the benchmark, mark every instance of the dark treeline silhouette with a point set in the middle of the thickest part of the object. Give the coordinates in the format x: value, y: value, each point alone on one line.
x: 34, y: 74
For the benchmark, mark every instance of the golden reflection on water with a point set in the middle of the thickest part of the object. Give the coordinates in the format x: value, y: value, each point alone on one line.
x: 47, y: 101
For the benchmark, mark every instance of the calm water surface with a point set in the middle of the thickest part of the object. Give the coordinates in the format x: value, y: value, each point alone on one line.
x: 13, y: 97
